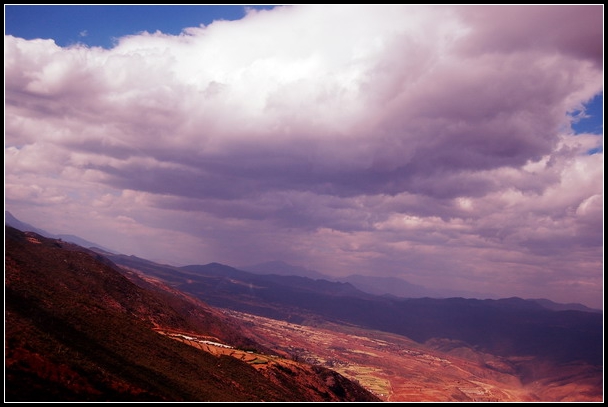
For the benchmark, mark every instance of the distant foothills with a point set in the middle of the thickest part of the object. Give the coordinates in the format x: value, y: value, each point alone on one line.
x: 383, y: 286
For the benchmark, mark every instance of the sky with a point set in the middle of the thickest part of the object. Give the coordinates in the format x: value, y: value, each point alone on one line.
x: 454, y: 147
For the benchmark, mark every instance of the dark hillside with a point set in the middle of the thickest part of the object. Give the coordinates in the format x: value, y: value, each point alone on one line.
x: 76, y: 329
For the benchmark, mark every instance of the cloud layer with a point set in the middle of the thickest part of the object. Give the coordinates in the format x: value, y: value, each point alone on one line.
x: 432, y: 143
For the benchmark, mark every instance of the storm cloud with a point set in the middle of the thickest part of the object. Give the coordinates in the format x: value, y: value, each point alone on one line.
x: 432, y: 143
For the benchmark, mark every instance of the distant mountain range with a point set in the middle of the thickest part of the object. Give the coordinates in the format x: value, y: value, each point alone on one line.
x: 284, y: 269
x: 377, y: 285
x: 393, y: 286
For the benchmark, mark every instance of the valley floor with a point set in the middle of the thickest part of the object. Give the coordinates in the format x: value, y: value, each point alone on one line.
x: 398, y: 369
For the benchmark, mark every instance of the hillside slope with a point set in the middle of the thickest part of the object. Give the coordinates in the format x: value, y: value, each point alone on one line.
x: 76, y: 329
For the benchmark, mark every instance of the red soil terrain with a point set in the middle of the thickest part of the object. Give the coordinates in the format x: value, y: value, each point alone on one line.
x: 396, y: 368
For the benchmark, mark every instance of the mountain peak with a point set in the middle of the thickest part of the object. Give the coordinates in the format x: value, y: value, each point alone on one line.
x: 283, y: 268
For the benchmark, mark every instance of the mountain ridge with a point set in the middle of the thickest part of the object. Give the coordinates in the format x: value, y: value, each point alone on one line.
x: 394, y: 286
x: 390, y: 286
